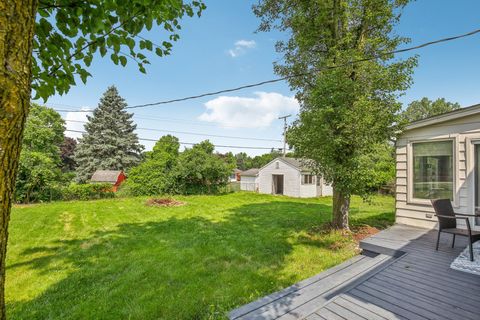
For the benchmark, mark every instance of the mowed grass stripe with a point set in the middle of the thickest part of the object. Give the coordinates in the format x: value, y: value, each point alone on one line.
x: 120, y: 259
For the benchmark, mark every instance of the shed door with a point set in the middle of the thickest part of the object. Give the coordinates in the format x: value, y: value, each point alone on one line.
x: 277, y: 180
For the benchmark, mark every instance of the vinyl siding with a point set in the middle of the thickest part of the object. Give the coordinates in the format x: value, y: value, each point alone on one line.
x: 248, y: 183
x: 291, y: 178
x: 463, y: 132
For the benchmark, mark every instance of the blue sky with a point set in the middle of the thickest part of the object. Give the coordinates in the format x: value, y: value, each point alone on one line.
x: 222, y: 50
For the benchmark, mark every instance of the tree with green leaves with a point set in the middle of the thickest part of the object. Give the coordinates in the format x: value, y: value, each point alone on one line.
x: 379, y: 166
x: 245, y: 162
x: 39, y: 175
x: 242, y: 161
x: 202, y: 171
x: 110, y: 141
x: 350, y: 108
x: 157, y: 174
x: 67, y: 151
x: 425, y: 108
x: 166, y: 170
x: 48, y: 45
x: 262, y: 160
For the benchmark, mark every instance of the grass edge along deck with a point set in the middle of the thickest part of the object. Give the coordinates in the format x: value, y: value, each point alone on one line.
x: 306, y: 296
x: 405, y: 256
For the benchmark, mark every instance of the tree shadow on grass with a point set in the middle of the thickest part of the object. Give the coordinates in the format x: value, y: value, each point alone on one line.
x: 179, y: 268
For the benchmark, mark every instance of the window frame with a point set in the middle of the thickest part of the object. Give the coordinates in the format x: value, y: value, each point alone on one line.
x: 410, y: 170
x: 312, y: 179
x: 470, y: 144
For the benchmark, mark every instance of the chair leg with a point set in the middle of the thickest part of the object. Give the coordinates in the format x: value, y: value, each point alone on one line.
x: 438, y: 240
x: 470, y: 248
x: 453, y: 241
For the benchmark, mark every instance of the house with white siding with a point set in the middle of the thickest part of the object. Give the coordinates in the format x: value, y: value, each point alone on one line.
x: 439, y: 157
x: 286, y: 176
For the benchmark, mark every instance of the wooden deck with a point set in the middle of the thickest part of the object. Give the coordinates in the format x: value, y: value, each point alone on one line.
x: 401, y: 277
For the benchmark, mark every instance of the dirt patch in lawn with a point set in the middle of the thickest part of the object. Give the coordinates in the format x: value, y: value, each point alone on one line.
x: 164, y: 202
x: 361, y: 232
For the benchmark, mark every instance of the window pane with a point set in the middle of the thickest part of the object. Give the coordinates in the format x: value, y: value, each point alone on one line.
x: 433, y: 170
x: 307, y: 179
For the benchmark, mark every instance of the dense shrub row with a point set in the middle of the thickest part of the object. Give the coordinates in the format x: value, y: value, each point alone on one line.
x: 166, y: 170
x: 88, y: 191
x: 73, y: 191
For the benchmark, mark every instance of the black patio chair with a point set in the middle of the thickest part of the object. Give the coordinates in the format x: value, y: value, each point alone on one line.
x: 447, y: 223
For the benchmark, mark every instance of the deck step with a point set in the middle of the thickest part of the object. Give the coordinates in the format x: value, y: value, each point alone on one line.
x: 381, y: 248
x: 303, y: 298
x: 392, y: 241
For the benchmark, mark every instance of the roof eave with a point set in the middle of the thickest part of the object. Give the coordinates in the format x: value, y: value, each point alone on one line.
x: 453, y: 115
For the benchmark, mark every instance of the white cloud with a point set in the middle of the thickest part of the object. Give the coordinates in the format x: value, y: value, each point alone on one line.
x: 241, y: 46
x: 257, y: 112
x: 73, y: 122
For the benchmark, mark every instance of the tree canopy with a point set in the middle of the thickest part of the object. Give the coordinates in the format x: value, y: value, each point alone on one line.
x: 157, y: 173
x: 110, y: 141
x: 39, y: 177
x: 67, y: 151
x: 68, y: 34
x: 245, y: 162
x: 166, y: 170
x: 349, y: 109
x: 425, y: 108
x: 202, y: 171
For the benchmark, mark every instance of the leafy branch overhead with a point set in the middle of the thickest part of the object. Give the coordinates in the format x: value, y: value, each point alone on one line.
x: 68, y: 33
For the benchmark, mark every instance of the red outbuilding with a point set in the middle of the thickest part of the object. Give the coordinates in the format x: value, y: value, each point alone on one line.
x: 114, y: 177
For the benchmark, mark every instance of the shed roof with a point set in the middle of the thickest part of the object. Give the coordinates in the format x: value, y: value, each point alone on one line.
x: 447, y: 116
x: 106, y: 176
x: 250, y: 172
x: 300, y: 164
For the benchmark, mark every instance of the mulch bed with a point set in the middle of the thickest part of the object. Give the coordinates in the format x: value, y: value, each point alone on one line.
x: 164, y: 202
x: 361, y: 232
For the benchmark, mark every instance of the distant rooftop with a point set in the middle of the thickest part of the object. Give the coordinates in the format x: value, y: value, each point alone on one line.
x: 250, y: 172
x: 106, y: 176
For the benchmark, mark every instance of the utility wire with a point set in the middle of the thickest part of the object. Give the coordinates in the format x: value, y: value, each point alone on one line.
x: 192, y: 143
x: 159, y: 119
x: 261, y: 83
x: 193, y: 133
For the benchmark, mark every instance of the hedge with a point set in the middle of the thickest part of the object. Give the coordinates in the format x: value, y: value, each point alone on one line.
x: 88, y: 191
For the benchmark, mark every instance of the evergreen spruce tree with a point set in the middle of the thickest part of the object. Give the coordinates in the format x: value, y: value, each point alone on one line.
x: 110, y: 142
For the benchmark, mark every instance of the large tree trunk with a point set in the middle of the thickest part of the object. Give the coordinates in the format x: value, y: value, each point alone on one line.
x: 17, y: 22
x: 341, y: 207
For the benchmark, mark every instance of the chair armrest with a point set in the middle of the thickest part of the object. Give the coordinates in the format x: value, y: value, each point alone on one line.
x: 467, y: 221
x: 468, y: 215
x: 450, y: 217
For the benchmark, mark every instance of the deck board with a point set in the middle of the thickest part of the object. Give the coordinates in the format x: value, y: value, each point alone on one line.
x: 359, y: 310
x: 416, y: 283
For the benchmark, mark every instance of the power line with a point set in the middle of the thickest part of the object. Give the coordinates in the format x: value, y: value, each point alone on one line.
x: 192, y: 143
x: 192, y: 133
x: 261, y: 83
x: 147, y: 117
x: 196, y: 123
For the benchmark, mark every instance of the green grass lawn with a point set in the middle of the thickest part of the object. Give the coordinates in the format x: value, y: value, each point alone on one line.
x: 119, y: 259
